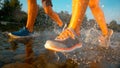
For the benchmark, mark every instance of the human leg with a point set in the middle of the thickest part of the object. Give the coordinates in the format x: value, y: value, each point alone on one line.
x: 99, y: 16
x: 78, y: 12
x: 68, y: 41
x: 47, y: 5
x: 32, y: 13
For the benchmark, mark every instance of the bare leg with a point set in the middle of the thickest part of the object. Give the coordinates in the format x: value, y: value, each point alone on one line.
x: 99, y: 16
x: 48, y: 10
x: 79, y: 8
x: 32, y: 13
x: 78, y: 12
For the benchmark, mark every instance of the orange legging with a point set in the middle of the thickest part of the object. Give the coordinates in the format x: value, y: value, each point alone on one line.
x: 78, y: 12
x: 32, y: 13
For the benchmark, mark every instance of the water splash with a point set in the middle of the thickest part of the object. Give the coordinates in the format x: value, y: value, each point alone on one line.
x: 91, y: 52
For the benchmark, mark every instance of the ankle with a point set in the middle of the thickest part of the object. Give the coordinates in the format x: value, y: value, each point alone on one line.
x: 29, y: 29
x: 60, y: 24
x: 106, y: 34
x: 77, y: 32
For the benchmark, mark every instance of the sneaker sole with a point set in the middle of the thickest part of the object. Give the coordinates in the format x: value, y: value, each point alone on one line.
x: 18, y: 37
x: 59, y: 47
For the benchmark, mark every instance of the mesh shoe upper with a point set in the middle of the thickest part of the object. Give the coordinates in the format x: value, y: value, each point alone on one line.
x: 105, y: 41
x: 22, y: 32
x: 65, y: 45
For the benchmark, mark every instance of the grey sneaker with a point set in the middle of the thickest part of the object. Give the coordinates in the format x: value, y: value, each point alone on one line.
x: 105, y: 41
x: 67, y: 44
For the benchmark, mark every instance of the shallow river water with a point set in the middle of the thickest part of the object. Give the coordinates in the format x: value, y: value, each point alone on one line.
x: 32, y: 54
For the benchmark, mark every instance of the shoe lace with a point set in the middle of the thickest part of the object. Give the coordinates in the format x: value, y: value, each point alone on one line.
x: 66, y: 34
x: 24, y: 30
